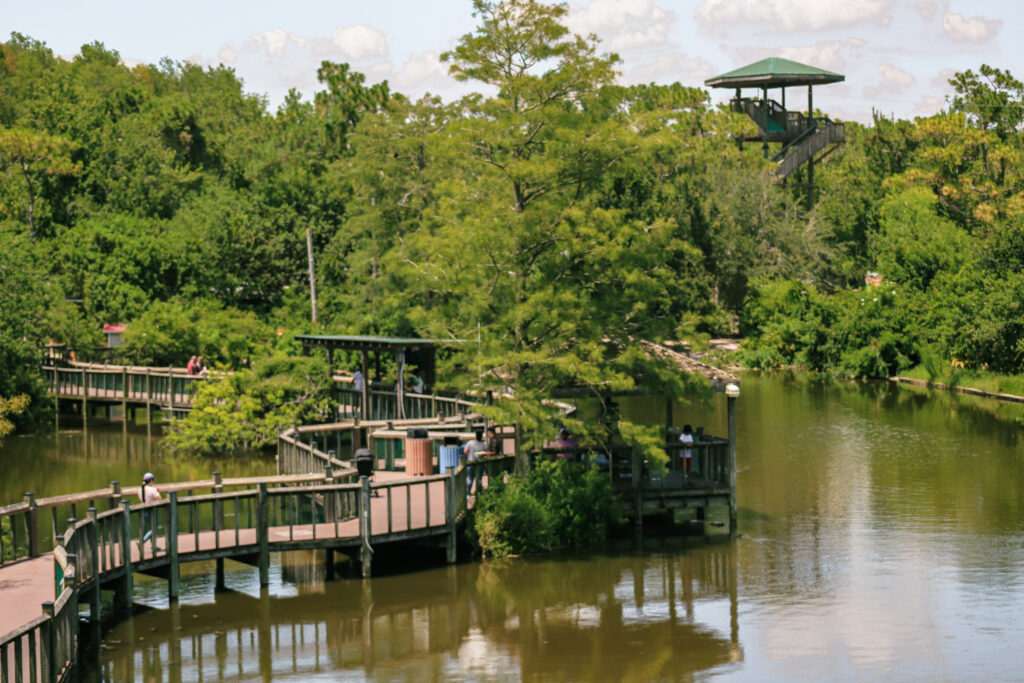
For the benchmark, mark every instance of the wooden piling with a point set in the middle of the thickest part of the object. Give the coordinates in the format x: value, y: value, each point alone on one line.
x: 174, y: 573
x: 124, y: 595
x: 94, y: 594
x: 33, y: 524
x: 365, y: 551
x: 451, y: 547
x: 263, y: 532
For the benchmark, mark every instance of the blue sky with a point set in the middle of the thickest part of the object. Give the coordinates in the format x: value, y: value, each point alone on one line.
x: 896, y: 54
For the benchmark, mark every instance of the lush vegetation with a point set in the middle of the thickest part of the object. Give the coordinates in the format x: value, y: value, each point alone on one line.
x: 557, y: 222
x: 558, y: 505
x: 935, y: 206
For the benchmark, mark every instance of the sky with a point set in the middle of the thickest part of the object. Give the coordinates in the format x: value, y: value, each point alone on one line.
x: 897, y: 55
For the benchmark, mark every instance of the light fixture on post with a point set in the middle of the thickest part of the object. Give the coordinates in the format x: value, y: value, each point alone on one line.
x: 732, y: 392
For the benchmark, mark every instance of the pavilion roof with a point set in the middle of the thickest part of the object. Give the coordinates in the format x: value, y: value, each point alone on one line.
x: 364, y: 342
x: 774, y: 72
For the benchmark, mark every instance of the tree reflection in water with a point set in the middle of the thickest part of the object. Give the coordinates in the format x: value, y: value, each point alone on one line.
x: 621, y: 616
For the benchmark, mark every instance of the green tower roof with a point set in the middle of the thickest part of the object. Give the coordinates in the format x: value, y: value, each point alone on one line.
x: 774, y: 72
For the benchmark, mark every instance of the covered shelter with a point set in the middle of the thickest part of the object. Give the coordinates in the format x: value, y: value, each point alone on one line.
x: 801, y: 135
x: 420, y: 352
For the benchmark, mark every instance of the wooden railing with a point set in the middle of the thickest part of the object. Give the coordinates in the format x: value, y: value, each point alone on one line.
x: 311, y: 448
x: 801, y: 151
x: 30, y: 528
x: 173, y: 388
x: 46, y: 648
x: 383, y: 405
x: 166, y: 387
x: 250, y: 521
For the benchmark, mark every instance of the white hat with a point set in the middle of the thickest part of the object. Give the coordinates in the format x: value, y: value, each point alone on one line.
x: 148, y: 476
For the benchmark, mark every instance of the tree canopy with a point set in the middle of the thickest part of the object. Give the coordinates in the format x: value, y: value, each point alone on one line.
x: 551, y: 222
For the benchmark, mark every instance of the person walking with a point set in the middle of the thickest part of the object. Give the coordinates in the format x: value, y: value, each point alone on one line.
x: 148, y: 493
x: 472, y: 449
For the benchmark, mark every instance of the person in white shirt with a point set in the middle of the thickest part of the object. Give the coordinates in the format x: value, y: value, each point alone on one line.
x: 148, y: 493
x: 686, y: 459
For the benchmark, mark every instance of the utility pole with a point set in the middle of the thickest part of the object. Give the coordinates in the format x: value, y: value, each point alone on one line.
x: 312, y: 271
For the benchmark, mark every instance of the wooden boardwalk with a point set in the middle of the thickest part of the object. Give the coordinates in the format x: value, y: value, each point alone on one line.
x: 25, y: 585
x: 40, y: 595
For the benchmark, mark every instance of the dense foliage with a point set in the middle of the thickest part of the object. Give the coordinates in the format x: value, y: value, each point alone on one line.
x: 556, y: 223
x: 558, y: 505
x: 248, y: 408
x: 935, y: 208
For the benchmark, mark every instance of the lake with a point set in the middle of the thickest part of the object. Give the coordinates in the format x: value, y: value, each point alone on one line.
x: 882, y: 537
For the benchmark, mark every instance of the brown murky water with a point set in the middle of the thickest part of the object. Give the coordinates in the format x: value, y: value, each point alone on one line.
x: 883, y: 539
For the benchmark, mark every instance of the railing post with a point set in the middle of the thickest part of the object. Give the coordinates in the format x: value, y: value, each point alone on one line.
x: 732, y: 392
x: 170, y: 388
x: 115, y: 494
x: 49, y: 634
x: 450, y: 516
x: 636, y: 474
x: 173, y: 574
x: 365, y: 527
x: 85, y: 395
x: 462, y: 484
x: 218, y: 505
x: 330, y: 513
x: 32, y: 519
x: 127, y: 586
x: 263, y: 533
x: 94, y: 557
x: 71, y: 617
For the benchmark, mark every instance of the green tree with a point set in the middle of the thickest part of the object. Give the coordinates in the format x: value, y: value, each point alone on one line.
x: 914, y: 244
x: 35, y: 155
x: 517, y: 254
x: 10, y: 407
x: 248, y: 408
x: 992, y: 98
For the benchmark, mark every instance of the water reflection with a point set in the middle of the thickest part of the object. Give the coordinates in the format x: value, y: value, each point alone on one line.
x: 666, y: 615
x: 81, y: 456
x: 883, y: 540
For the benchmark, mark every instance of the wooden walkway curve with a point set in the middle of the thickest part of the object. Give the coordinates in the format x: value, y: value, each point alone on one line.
x: 247, y: 520
x: 316, y: 501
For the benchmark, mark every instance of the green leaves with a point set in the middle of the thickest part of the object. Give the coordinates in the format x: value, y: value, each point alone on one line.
x: 248, y: 408
x: 10, y: 407
x: 559, y: 505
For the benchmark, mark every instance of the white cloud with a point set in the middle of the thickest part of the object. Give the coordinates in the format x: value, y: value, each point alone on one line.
x: 895, y: 75
x: 941, y: 79
x: 358, y: 42
x: 973, y: 30
x: 928, y: 106
x: 895, y: 81
x: 622, y: 24
x: 927, y: 9
x: 792, y: 15
x: 226, y: 54
x: 276, y: 41
x: 691, y: 71
x: 422, y: 72
x: 379, y: 71
x: 824, y: 55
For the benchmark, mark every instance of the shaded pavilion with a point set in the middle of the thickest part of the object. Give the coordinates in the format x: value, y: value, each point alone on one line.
x: 420, y: 352
x: 801, y: 135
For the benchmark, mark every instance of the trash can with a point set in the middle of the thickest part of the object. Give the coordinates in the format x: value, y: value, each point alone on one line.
x: 363, y: 459
x: 419, y: 453
x: 449, y: 457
